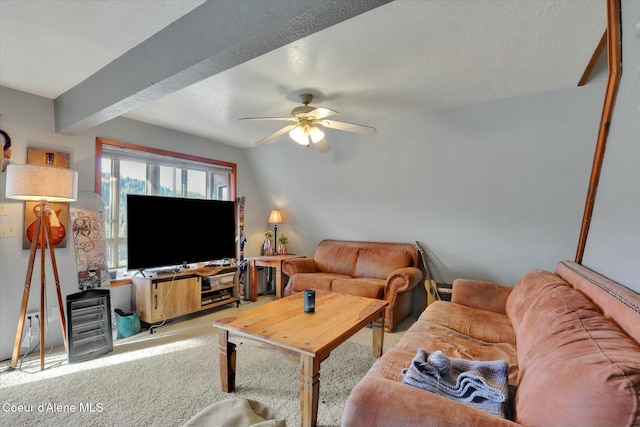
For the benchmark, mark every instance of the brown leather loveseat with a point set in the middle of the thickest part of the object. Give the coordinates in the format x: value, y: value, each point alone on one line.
x: 571, y: 339
x: 386, y: 271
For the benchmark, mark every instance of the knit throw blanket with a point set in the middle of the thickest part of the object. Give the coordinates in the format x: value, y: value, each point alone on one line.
x: 480, y: 384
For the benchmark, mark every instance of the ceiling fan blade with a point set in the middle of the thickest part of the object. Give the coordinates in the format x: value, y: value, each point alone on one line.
x: 276, y: 134
x: 322, y: 146
x: 348, y: 127
x: 289, y: 119
x: 321, y: 112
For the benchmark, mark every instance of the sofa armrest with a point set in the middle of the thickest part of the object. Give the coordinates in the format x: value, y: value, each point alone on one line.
x: 483, y: 295
x: 402, y: 280
x: 298, y: 265
x: 382, y: 402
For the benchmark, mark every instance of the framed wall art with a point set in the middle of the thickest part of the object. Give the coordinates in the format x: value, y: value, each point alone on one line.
x: 59, y: 210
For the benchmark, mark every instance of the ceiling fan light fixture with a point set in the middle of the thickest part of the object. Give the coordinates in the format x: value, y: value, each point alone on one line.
x: 306, y: 119
x: 299, y: 135
x: 315, y: 134
x: 302, y: 134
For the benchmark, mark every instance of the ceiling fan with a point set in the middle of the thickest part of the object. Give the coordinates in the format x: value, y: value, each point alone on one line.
x: 307, y: 121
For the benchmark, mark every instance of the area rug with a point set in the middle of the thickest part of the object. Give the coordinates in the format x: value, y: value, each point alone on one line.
x: 165, y: 378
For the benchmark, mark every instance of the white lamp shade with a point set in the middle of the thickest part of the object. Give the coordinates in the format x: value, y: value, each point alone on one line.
x: 275, y: 217
x: 36, y: 182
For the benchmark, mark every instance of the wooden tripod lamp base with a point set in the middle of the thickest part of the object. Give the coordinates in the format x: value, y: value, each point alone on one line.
x: 42, y: 234
x: 43, y: 184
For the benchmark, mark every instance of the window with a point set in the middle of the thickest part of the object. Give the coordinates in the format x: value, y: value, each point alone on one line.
x: 123, y: 168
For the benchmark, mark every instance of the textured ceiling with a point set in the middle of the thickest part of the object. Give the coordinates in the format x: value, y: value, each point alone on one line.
x: 404, y: 58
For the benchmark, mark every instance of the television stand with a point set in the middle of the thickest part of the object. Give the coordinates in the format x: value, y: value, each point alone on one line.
x: 167, y: 296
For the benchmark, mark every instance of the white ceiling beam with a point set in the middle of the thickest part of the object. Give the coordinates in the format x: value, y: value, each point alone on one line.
x: 212, y: 38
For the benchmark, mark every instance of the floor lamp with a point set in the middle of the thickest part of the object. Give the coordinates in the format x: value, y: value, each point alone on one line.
x: 43, y: 184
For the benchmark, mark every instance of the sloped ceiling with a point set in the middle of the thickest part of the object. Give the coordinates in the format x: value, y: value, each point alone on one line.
x: 210, y: 63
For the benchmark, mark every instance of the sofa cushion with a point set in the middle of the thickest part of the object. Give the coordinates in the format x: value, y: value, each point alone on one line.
x: 391, y: 363
x: 362, y: 287
x: 378, y: 401
x: 530, y: 286
x: 488, y: 326
x: 480, y: 294
x: 320, y: 281
x: 379, y: 263
x: 334, y: 258
x: 565, y: 346
x: 440, y: 326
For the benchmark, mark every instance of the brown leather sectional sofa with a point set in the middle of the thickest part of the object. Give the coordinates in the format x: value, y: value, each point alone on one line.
x: 571, y: 339
x: 386, y: 271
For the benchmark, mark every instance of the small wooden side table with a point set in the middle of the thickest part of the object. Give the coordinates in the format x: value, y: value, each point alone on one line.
x: 275, y: 262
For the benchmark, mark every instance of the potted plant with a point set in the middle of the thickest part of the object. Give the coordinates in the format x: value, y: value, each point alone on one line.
x: 282, y: 247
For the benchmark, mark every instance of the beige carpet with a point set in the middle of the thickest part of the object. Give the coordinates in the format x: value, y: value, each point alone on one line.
x: 165, y: 378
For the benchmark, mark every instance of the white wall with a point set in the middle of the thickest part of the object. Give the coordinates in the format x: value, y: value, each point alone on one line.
x: 491, y: 190
x: 28, y: 119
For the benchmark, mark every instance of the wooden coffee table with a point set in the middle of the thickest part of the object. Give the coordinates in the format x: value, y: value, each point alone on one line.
x: 304, y: 338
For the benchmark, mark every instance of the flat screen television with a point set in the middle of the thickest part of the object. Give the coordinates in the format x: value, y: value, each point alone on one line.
x: 171, y: 231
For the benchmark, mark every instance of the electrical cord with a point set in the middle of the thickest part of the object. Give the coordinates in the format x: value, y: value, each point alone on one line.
x: 19, y: 367
x: 152, y: 328
x: 29, y: 350
x: 32, y: 348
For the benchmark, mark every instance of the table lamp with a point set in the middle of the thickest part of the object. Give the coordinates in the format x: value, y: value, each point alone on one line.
x: 275, y: 218
x: 43, y: 184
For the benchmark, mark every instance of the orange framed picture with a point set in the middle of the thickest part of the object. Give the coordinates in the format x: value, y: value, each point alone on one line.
x: 59, y: 210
